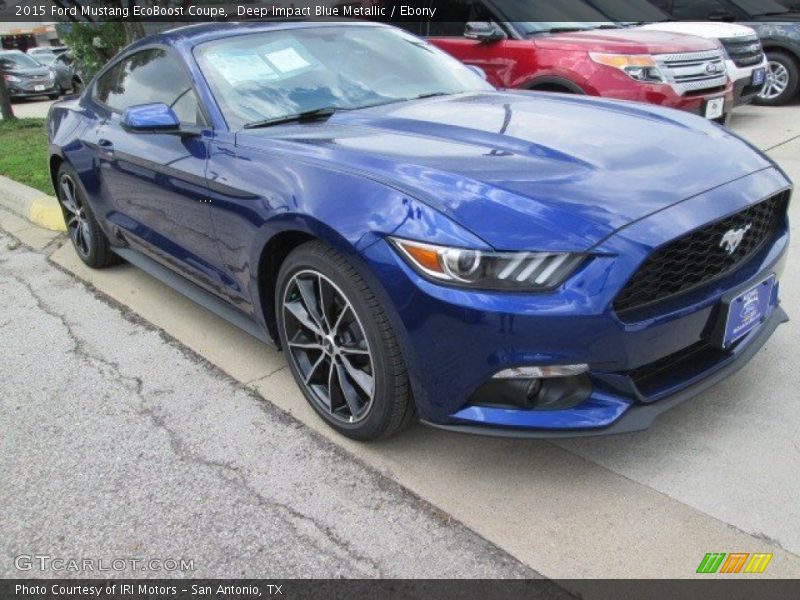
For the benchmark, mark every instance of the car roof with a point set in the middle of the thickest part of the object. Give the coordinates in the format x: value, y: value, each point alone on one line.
x: 192, y: 35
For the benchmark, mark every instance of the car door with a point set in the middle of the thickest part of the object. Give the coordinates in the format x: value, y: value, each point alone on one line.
x: 64, y: 71
x: 154, y: 183
x: 446, y: 31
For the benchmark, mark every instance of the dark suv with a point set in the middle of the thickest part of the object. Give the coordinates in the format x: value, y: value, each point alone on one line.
x: 776, y: 22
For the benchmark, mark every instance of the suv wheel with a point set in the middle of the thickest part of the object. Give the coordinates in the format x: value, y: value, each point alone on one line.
x: 340, y: 346
x: 783, y: 79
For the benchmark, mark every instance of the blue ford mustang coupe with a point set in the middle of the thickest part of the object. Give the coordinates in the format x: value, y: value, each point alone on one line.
x: 420, y: 244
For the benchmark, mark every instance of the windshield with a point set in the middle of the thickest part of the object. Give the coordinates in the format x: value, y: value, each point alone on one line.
x: 18, y: 61
x: 44, y: 58
x: 281, y: 73
x: 760, y: 7
x: 538, y: 16
x: 630, y: 11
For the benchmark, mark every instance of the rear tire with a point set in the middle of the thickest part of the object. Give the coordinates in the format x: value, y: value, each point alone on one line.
x: 783, y: 80
x: 87, y: 237
x: 340, y: 345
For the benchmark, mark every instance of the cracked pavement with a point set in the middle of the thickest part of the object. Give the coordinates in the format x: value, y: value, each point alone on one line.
x: 123, y: 443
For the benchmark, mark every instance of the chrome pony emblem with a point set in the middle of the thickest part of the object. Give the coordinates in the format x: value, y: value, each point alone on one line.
x: 733, y: 238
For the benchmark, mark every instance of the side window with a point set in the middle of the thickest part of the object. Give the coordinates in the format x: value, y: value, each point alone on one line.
x: 697, y: 9
x: 452, y: 17
x: 150, y: 76
x: 104, y: 89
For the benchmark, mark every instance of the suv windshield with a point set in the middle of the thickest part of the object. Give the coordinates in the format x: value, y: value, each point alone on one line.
x: 13, y: 61
x: 630, y: 11
x: 281, y: 73
x: 44, y: 58
x: 757, y: 8
x: 541, y: 16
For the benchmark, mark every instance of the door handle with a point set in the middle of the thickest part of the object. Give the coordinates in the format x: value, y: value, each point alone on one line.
x: 106, y: 146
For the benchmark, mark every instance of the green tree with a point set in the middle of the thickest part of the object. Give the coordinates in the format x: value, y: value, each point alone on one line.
x: 94, y: 44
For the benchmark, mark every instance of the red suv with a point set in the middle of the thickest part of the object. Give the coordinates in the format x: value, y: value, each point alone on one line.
x: 567, y: 46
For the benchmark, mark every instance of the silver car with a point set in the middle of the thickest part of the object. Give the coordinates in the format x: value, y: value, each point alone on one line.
x: 68, y: 73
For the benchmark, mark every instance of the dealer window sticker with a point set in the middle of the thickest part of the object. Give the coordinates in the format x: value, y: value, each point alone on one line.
x: 241, y: 66
x: 288, y: 57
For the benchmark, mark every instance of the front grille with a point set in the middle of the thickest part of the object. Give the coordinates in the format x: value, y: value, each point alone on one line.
x: 694, y: 354
x: 652, y: 379
x: 701, y: 256
x: 744, y: 51
x: 693, y: 71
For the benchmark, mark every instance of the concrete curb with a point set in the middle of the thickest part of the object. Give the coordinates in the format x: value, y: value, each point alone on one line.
x: 38, y: 208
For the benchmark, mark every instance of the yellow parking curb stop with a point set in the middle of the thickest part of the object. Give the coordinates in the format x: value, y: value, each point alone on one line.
x: 45, y: 212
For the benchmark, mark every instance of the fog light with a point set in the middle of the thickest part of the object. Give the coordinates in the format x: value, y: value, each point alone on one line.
x: 543, y: 372
x: 534, y: 387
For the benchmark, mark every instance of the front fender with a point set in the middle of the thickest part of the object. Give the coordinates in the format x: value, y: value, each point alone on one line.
x: 256, y: 195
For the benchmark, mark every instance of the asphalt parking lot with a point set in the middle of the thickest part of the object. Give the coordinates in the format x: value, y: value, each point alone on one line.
x: 718, y: 474
x: 32, y: 108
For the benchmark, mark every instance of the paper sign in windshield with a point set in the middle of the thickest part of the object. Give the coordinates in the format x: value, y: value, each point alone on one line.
x: 242, y: 66
x: 287, y: 60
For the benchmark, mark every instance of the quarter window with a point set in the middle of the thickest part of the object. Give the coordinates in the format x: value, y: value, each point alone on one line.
x: 150, y: 76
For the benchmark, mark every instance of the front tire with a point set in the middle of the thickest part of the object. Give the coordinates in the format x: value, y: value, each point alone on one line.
x: 783, y: 80
x: 340, y: 346
x: 87, y: 237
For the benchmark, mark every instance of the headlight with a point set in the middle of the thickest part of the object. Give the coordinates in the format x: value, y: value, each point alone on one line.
x: 12, y: 78
x: 640, y: 67
x: 51, y: 74
x: 479, y: 269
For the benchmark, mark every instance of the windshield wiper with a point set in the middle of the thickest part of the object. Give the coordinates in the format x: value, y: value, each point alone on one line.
x: 307, y: 115
x: 571, y: 29
x: 559, y: 30
x: 429, y: 95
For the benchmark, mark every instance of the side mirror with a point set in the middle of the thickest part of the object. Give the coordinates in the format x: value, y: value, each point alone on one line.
x: 152, y: 118
x: 478, y: 71
x: 484, y: 31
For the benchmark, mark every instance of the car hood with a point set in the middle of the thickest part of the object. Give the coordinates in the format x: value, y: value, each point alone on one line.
x: 30, y: 72
x: 626, y: 41
x: 706, y: 29
x: 527, y: 170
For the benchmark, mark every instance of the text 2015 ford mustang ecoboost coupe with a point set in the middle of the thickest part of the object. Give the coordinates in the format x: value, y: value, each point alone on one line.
x: 420, y: 244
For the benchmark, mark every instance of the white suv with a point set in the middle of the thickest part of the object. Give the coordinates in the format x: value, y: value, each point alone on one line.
x: 744, y: 57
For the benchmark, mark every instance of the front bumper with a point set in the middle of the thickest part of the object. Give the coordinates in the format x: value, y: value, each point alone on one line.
x: 612, y: 417
x: 744, y: 92
x: 17, y: 90
x: 611, y: 83
x: 455, y: 340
